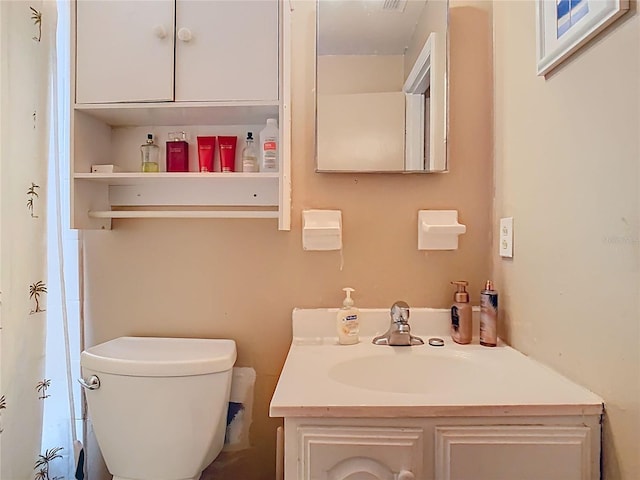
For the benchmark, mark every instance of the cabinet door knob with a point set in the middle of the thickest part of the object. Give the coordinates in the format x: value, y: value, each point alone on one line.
x: 160, y: 32
x: 406, y: 475
x: 184, y: 34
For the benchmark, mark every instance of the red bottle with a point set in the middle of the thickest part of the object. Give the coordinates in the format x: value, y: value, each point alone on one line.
x: 177, y: 152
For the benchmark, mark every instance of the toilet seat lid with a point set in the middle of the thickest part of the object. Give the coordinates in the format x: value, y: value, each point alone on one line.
x: 160, y: 357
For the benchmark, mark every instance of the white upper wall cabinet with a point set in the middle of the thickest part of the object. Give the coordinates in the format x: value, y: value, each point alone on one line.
x: 134, y: 51
x: 226, y: 47
x: 124, y: 51
x: 204, y: 67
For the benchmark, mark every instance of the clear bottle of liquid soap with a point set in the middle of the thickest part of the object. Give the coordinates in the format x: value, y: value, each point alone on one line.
x: 249, y: 155
x: 150, y: 153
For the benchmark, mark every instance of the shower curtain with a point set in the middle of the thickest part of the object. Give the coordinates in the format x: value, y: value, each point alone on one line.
x: 34, y: 442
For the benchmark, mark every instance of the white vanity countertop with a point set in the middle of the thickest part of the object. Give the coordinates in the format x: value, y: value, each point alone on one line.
x: 322, y: 378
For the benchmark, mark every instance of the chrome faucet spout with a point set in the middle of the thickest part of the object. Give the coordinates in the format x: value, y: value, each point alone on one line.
x: 400, y: 312
x: 399, y: 333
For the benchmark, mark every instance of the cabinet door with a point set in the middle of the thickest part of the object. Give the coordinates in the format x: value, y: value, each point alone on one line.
x: 359, y: 453
x: 226, y: 50
x: 514, y: 453
x: 124, y: 51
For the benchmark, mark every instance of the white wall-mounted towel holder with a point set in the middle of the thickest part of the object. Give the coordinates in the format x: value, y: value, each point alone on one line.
x: 439, y: 229
x: 322, y: 230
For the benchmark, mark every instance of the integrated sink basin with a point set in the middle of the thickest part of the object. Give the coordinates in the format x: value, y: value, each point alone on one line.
x: 408, y: 371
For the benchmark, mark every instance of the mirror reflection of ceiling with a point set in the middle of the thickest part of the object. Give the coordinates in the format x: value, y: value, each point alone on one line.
x: 354, y: 27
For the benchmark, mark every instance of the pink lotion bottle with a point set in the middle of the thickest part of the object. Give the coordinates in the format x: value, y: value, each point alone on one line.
x: 177, y: 152
x: 489, y: 316
x: 461, y: 315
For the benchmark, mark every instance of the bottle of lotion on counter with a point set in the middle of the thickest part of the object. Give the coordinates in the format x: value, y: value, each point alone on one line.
x: 348, y: 323
x: 461, y: 320
x: 489, y: 316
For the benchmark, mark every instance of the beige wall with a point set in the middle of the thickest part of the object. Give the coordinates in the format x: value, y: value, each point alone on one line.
x: 566, y: 168
x: 241, y: 278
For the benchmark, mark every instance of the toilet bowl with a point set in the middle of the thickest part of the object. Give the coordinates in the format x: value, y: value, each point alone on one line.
x: 158, y: 405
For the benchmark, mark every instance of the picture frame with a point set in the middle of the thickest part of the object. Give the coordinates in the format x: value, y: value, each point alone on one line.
x: 564, y: 26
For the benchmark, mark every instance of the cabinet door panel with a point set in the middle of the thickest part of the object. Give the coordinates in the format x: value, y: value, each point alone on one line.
x: 228, y: 50
x: 513, y: 453
x: 124, y: 51
x: 359, y: 453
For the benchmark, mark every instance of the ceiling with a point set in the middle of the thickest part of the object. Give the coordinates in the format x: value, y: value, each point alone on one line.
x: 366, y: 27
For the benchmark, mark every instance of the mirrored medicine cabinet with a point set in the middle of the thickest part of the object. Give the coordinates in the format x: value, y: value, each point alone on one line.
x: 381, y: 86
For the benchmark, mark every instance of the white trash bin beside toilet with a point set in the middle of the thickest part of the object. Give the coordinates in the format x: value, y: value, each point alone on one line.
x: 158, y: 405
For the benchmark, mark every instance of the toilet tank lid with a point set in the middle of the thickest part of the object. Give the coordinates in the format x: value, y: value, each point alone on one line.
x: 160, y: 357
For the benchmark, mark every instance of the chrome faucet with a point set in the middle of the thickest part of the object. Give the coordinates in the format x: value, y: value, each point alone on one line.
x: 399, y: 333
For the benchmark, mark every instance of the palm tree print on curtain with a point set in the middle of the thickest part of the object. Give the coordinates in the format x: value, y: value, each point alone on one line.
x: 36, y: 16
x: 43, y: 462
x: 32, y: 195
x: 41, y: 387
x: 3, y: 405
x: 35, y: 291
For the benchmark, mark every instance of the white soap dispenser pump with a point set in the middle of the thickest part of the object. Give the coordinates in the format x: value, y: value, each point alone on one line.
x: 348, y: 323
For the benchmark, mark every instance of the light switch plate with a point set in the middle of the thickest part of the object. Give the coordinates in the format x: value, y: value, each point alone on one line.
x: 506, y: 237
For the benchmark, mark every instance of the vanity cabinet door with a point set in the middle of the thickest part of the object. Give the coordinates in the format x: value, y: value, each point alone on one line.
x: 226, y: 50
x: 359, y: 453
x: 514, y: 452
x: 124, y: 51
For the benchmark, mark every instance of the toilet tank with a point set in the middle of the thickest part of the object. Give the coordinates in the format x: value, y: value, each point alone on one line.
x: 157, y: 396
x: 160, y: 357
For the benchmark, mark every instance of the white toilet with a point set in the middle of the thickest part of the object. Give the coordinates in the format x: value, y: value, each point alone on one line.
x: 158, y: 405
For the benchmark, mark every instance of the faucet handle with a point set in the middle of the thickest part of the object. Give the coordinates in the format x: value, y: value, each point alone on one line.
x: 400, y: 312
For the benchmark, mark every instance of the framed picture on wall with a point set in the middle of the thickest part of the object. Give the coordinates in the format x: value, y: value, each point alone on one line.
x: 563, y: 26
